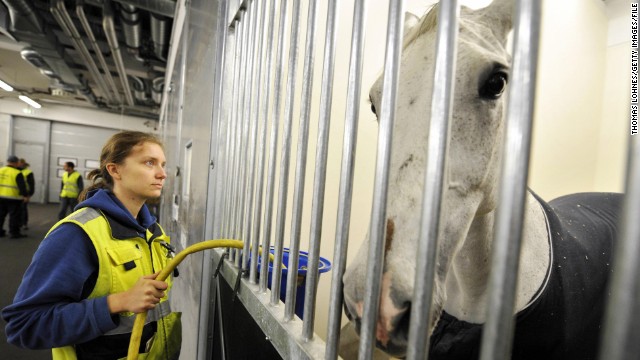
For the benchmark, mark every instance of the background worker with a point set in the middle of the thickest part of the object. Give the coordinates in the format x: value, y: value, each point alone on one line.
x: 23, y: 165
x: 96, y: 268
x: 13, y: 192
x: 70, y: 188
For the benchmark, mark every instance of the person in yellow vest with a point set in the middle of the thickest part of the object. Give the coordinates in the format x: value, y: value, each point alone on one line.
x: 96, y: 268
x: 70, y: 188
x: 13, y: 193
x: 29, y: 181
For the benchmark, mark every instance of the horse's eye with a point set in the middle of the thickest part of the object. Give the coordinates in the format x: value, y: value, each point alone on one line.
x: 494, y: 86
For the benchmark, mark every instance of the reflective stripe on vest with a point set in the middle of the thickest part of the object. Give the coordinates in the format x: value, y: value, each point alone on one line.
x: 70, y: 187
x: 8, y: 185
x: 113, y: 276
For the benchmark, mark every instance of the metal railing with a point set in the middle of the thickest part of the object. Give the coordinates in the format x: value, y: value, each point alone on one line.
x: 254, y: 71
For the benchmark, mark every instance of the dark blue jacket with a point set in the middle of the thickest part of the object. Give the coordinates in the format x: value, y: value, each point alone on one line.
x: 51, y: 308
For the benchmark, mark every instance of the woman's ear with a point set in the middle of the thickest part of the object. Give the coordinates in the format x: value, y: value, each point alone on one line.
x: 113, y: 170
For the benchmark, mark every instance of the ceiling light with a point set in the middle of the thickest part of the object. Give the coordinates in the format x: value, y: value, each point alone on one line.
x: 29, y: 101
x: 5, y: 86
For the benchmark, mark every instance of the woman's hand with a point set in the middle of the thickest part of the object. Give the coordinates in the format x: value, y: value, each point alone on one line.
x: 143, y: 296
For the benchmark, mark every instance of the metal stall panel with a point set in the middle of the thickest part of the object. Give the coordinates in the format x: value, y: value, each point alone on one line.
x: 249, y: 177
x: 187, y: 136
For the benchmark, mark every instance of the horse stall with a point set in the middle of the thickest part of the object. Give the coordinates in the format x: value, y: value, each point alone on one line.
x: 270, y: 140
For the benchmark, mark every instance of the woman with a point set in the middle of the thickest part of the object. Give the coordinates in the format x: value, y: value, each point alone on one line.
x: 95, y: 269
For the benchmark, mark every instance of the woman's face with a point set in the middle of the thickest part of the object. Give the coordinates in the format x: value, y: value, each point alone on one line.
x: 142, y: 174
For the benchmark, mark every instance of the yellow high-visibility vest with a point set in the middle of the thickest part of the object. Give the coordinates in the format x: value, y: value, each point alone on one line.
x: 70, y: 188
x: 121, y: 263
x: 8, y: 185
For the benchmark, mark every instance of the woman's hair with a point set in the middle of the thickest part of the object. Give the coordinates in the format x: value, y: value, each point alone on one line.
x: 115, y: 151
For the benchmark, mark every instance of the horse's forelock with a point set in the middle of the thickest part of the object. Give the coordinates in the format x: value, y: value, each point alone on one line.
x: 499, y: 12
x: 428, y: 22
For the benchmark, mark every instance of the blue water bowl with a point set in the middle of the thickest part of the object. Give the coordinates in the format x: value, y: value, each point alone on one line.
x: 323, y: 266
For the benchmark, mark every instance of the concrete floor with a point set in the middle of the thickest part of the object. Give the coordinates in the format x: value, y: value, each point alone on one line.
x: 15, y: 256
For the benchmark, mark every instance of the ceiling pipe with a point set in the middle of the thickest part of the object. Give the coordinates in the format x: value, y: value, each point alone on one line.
x: 112, y: 39
x: 132, y: 26
x: 156, y: 89
x: 139, y: 89
x: 97, y: 50
x: 161, y: 7
x: 59, y: 12
x: 23, y: 16
x: 159, y: 26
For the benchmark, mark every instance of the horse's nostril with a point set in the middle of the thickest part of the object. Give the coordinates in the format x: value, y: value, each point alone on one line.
x: 402, y: 326
x: 358, y: 325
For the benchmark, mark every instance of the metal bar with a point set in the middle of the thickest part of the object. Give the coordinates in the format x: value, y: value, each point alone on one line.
x: 226, y: 157
x: 229, y: 116
x: 231, y: 131
x: 264, y: 111
x: 218, y: 119
x: 273, y: 141
x: 322, y: 149
x: 238, y: 165
x: 207, y: 297
x: 246, y: 195
x: 620, y: 336
x: 437, y: 144
x: 301, y: 161
x: 243, y: 125
x: 283, y: 188
x: 378, y: 216
x: 234, y: 123
x: 498, y: 331
x: 260, y: 114
x: 354, y: 88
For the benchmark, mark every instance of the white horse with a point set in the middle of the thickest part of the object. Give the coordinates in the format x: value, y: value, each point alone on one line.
x: 566, y: 244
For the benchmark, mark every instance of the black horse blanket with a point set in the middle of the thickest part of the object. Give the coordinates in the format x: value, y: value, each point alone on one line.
x: 565, y: 320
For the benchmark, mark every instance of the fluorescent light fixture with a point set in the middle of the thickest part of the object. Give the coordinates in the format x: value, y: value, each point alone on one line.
x: 29, y: 101
x: 5, y: 86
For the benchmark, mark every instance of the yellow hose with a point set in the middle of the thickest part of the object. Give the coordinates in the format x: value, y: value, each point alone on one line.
x: 136, y: 333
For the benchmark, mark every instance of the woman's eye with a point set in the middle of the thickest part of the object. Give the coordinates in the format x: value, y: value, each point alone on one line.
x: 494, y: 86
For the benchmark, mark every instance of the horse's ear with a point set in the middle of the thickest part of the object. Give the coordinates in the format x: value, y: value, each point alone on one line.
x: 410, y: 20
x: 499, y: 16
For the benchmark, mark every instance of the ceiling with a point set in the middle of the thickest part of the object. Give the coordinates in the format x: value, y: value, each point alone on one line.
x: 103, y: 54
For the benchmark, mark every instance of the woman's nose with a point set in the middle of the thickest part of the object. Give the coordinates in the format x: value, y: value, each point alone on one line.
x: 162, y: 174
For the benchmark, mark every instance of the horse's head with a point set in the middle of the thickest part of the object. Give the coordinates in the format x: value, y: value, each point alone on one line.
x: 469, y: 183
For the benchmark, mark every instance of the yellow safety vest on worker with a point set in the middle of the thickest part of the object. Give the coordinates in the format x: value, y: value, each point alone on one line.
x: 141, y: 257
x: 25, y: 173
x: 70, y: 188
x: 8, y: 185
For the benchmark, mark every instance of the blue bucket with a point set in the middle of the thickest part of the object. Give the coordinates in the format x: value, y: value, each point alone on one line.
x: 323, y: 266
